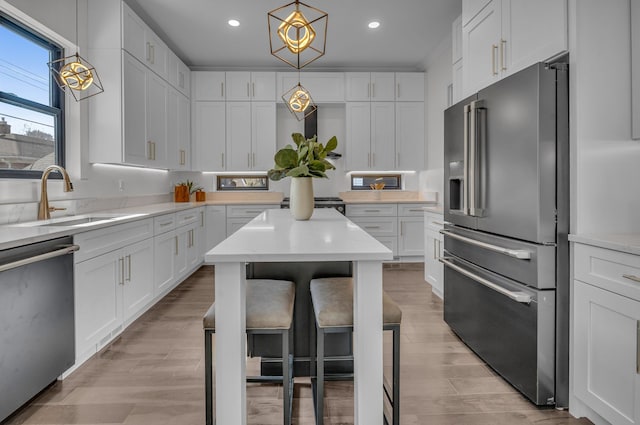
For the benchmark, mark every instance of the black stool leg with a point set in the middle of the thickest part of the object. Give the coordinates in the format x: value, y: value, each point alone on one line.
x: 396, y: 375
x: 286, y: 377
x: 320, y: 378
x: 208, y: 378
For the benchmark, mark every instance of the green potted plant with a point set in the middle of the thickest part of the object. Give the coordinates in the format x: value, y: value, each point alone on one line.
x: 302, y: 163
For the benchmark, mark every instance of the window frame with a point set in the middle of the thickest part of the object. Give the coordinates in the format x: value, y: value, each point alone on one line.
x: 56, y: 98
x: 221, y: 188
x: 397, y: 176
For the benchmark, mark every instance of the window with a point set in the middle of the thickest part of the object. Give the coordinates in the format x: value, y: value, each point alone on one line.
x: 250, y: 182
x: 366, y: 182
x: 31, y: 105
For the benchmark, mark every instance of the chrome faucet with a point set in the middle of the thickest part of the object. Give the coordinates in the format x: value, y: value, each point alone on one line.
x: 44, y: 210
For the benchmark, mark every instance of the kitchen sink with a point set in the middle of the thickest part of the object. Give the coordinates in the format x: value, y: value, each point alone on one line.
x: 80, y: 220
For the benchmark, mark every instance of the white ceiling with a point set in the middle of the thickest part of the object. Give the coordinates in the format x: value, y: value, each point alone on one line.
x: 197, y: 31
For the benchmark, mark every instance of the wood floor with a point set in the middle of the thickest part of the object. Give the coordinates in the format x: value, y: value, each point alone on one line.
x: 154, y: 373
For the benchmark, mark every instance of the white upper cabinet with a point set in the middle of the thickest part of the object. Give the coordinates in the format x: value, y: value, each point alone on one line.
x: 410, y: 136
x: 500, y: 37
x: 208, y: 85
x: 178, y: 131
x: 254, y: 86
x: 456, y: 36
x: 209, y: 135
x: 325, y: 87
x: 410, y: 86
x: 139, y: 40
x: 370, y: 143
x: 374, y: 86
x: 251, y: 135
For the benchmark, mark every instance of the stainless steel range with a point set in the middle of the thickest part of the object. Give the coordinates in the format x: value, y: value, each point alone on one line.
x: 326, y: 202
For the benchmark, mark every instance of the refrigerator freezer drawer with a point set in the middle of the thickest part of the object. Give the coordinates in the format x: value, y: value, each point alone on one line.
x: 528, y: 263
x: 514, y: 338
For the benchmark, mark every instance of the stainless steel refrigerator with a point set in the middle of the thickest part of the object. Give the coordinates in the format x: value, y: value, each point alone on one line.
x: 506, y: 279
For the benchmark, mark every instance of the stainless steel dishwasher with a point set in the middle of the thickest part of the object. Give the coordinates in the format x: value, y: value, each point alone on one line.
x: 37, y: 341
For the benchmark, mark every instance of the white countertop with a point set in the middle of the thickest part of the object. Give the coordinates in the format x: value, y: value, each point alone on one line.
x: 625, y: 242
x: 13, y: 235
x: 275, y: 236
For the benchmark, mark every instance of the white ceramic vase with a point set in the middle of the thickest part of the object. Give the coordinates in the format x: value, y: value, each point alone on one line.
x: 301, y: 195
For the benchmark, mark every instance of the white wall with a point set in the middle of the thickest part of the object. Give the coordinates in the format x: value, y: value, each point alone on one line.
x: 605, y: 161
x: 438, y: 77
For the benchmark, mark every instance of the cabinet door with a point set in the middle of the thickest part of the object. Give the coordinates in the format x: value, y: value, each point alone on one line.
x: 165, y: 249
x: 138, y: 278
x: 193, y: 247
x: 238, y: 136
x: 410, y: 86
x: 184, y: 132
x: 157, y: 118
x: 411, y: 236
x: 357, y: 86
x: 216, y: 225
x: 183, y: 241
x: 470, y: 8
x: 606, y: 332
x: 183, y: 83
x: 410, y: 136
x: 157, y: 54
x: 133, y: 34
x: 480, y: 46
x: 358, y: 143
x: 263, y: 135
x: 209, y: 136
x: 324, y: 86
x: 174, y: 156
x: 208, y: 86
x: 263, y: 86
x: 98, y: 306
x: 134, y: 98
x: 383, y: 135
x: 532, y: 32
x: 383, y: 86
x: 433, y: 269
x: 456, y: 37
x: 458, y: 88
x: 238, y: 85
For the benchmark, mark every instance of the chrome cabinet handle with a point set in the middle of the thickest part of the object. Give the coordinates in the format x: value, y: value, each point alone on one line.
x: 520, y: 297
x: 168, y: 223
x: 415, y: 210
x: 176, y: 241
x: 129, y: 267
x: 631, y: 277
x: 372, y: 211
x: 121, y: 267
x: 503, y: 46
x: 520, y: 254
x: 64, y: 250
x: 435, y: 251
x: 373, y: 90
x: 253, y: 89
x: 248, y: 95
x: 221, y: 89
x: 371, y: 227
x: 494, y: 48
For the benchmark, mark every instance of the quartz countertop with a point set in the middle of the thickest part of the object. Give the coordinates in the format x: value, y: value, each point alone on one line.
x: 624, y: 242
x: 244, y: 198
x: 388, y: 197
x: 275, y: 235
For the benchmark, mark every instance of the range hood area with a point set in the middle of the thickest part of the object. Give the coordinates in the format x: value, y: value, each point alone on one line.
x: 311, y: 129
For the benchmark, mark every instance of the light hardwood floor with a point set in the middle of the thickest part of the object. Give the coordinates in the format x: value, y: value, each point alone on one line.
x: 154, y: 373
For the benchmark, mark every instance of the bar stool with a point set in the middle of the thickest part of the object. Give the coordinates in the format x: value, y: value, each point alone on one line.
x: 332, y: 300
x: 269, y: 310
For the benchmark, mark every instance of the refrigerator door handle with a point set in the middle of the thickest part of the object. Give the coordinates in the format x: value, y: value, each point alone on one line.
x: 520, y: 254
x: 465, y: 176
x: 520, y: 297
x: 472, y: 162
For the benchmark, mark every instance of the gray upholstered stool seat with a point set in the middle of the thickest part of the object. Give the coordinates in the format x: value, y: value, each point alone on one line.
x: 332, y: 300
x: 269, y: 310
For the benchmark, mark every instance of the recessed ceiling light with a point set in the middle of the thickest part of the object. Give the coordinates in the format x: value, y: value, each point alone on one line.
x: 374, y: 24
x: 234, y: 22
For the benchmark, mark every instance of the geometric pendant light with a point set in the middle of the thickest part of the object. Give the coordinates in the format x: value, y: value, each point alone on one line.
x: 297, y: 33
x: 76, y: 75
x: 299, y: 102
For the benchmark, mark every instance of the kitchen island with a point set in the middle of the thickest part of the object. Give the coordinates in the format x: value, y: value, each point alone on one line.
x: 274, y: 236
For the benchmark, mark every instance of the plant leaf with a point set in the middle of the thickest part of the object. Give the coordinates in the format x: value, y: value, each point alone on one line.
x: 286, y: 158
x: 297, y: 138
x: 331, y: 144
x: 300, y: 171
x: 276, y: 175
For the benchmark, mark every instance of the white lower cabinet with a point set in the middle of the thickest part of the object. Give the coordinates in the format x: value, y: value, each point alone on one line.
x: 111, y: 290
x: 216, y: 225
x: 166, y: 246
x: 410, y: 236
x: 606, y: 333
x: 434, y: 249
x: 239, y: 215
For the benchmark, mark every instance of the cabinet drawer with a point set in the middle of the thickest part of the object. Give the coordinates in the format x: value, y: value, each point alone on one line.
x: 247, y: 210
x: 164, y: 223
x: 97, y: 242
x: 372, y: 210
x: 378, y: 226
x: 614, y: 271
x: 410, y: 210
x: 187, y: 217
x: 433, y: 221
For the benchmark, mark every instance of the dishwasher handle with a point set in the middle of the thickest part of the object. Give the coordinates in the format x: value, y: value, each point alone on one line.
x: 66, y: 249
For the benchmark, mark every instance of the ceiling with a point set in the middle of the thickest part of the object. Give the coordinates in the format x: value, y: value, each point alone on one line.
x: 197, y: 31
